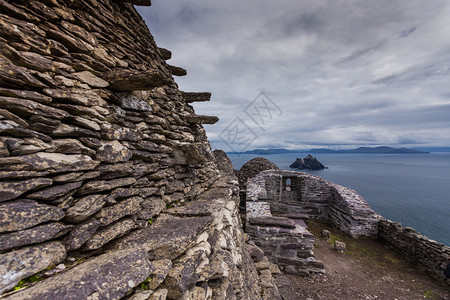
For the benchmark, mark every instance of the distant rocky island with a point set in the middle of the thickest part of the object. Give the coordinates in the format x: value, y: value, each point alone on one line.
x: 360, y: 150
x: 307, y: 163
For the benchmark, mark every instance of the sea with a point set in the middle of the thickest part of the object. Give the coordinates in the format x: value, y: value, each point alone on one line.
x: 412, y: 189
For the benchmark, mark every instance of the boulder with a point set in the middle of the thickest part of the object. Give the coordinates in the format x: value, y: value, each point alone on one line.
x: 339, y: 246
x: 326, y: 234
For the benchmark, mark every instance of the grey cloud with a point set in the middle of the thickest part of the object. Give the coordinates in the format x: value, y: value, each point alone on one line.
x: 361, y: 52
x: 405, y: 33
x: 344, y: 72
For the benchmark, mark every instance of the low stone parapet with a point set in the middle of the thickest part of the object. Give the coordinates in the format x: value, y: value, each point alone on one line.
x: 429, y: 254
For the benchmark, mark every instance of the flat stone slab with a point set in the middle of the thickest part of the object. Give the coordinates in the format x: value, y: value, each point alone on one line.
x: 109, y: 276
x: 197, y: 208
x: 12, y: 190
x: 54, y: 192
x: 22, y: 214
x: 300, y: 223
x: 51, y: 162
x: 113, y: 213
x: 167, y: 237
x: 20, y: 264
x: 33, y: 235
x: 182, y: 276
x: 272, y: 221
x: 77, y: 237
x: 103, y: 185
x: 107, y: 234
x: 84, y: 208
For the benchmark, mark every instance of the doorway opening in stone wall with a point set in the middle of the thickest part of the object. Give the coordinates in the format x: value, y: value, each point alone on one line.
x: 291, y: 189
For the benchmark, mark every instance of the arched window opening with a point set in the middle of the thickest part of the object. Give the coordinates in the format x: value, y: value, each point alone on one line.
x: 288, y: 184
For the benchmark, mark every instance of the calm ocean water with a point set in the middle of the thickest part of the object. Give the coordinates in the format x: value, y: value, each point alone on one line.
x: 413, y: 189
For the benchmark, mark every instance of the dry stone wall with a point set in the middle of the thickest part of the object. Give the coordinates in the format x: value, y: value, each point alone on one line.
x: 308, y: 196
x: 427, y: 253
x: 108, y: 186
x: 299, y: 195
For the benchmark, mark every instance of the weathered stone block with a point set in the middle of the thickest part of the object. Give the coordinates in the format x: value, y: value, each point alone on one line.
x: 167, y: 237
x: 84, y: 208
x: 81, y: 234
x: 103, y: 185
x: 55, y: 191
x: 113, y: 213
x: 51, y: 162
x: 272, y: 221
x: 109, y: 276
x: 182, y: 276
x: 111, y: 232
x: 23, y: 214
x: 113, y: 152
x: 13, y: 190
x: 25, y: 262
x: 33, y: 235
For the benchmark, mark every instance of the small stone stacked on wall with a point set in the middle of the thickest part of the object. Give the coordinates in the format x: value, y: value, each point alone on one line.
x: 99, y: 150
x: 429, y: 254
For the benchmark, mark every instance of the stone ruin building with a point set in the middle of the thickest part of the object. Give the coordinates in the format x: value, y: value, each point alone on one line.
x: 277, y: 204
x: 108, y: 185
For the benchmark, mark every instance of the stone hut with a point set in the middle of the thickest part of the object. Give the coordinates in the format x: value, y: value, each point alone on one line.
x: 278, y: 202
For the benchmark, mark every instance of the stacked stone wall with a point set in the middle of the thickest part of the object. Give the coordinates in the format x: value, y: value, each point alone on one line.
x: 429, y: 254
x: 310, y: 196
x: 108, y: 186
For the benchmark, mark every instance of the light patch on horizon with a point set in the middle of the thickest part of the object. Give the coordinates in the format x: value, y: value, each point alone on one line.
x: 345, y: 73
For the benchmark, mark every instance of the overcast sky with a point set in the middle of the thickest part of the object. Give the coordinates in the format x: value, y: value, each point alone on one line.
x: 339, y: 73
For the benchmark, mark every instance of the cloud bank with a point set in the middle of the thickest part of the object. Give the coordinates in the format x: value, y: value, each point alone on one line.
x: 344, y: 73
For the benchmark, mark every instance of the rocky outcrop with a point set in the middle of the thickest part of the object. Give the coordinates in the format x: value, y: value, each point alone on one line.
x: 307, y: 163
x: 105, y: 169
